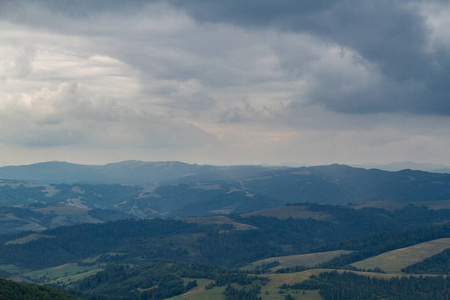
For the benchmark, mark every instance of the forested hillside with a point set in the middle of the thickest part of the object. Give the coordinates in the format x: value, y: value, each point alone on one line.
x: 192, y: 191
x: 436, y: 264
x: 118, y: 240
x: 159, y: 280
x: 219, y: 244
x: 64, y: 255
x: 350, y: 286
x: 13, y: 290
x: 372, y: 245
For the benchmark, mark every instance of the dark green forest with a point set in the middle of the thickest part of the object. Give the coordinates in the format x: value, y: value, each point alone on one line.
x: 436, y: 264
x: 174, y: 239
x: 378, y: 243
x: 350, y: 286
x: 13, y: 290
x: 158, y: 280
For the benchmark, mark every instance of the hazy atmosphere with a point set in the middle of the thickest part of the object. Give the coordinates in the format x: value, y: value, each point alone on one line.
x: 224, y: 82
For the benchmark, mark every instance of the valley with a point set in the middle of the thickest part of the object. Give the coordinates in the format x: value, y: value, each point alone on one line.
x: 224, y: 150
x: 214, y: 235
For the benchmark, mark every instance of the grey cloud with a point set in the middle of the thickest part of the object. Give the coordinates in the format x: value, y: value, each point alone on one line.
x: 22, y: 65
x: 19, y: 65
x: 393, y: 39
x: 243, y: 114
x: 68, y: 116
x: 75, y: 9
x: 46, y: 137
x: 285, y: 14
x: 228, y: 77
x: 392, y: 35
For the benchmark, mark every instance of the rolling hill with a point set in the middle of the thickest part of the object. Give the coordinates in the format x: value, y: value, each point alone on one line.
x: 333, y: 184
x: 126, y: 172
x: 66, y: 255
x: 14, y: 290
x: 337, y: 217
x: 310, y: 260
x: 136, y: 189
x: 232, y: 241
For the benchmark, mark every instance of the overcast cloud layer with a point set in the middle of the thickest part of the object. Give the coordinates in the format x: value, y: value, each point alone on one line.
x: 225, y: 82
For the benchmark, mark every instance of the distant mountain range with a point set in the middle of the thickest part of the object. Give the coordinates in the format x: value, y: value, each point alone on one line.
x: 156, y: 173
x: 403, y: 165
x: 126, y: 172
x: 135, y: 189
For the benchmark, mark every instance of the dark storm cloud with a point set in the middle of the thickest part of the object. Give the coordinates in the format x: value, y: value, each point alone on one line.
x: 392, y: 36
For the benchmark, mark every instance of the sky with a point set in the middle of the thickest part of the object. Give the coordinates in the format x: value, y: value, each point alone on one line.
x: 225, y: 82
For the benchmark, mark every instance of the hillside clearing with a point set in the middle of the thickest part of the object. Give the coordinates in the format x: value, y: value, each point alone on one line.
x: 28, y: 238
x: 285, y: 212
x: 219, y: 220
x: 392, y: 205
x: 63, y: 273
x: 307, y: 260
x: 200, y: 293
x: 394, y: 261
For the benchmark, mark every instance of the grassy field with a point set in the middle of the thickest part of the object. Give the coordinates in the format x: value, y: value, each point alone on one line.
x: 394, y: 261
x: 28, y: 238
x: 65, y: 273
x: 200, y: 293
x: 219, y: 220
x: 307, y: 260
x: 301, y: 294
x: 276, y: 280
x: 392, y: 206
x: 285, y: 212
x: 316, y: 272
x: 69, y: 279
x: 272, y: 290
x: 66, y: 212
x: 11, y: 269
